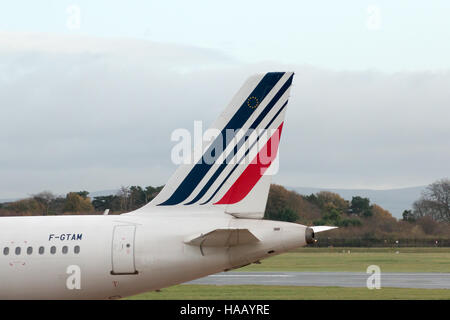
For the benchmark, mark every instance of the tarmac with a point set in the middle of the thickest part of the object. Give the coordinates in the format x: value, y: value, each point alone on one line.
x: 329, y: 279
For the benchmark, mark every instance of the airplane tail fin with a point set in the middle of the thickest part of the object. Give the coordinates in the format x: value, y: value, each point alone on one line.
x: 231, y: 173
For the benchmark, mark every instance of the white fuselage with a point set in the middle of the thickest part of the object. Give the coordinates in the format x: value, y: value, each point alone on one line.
x: 101, y: 257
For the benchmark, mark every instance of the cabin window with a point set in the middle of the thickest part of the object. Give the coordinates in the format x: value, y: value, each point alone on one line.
x: 53, y: 250
x: 41, y: 250
x: 65, y: 249
x: 6, y: 251
x: 29, y: 250
x: 76, y: 249
x: 18, y: 250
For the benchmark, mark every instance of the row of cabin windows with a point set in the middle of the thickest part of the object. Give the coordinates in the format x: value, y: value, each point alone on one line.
x: 41, y: 250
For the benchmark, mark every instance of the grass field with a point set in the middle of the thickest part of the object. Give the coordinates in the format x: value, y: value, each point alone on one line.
x: 326, y: 259
x: 358, y: 259
x: 209, y: 292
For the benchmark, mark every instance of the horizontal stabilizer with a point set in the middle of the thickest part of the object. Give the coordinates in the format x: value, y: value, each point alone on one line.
x: 223, y: 238
x: 322, y: 228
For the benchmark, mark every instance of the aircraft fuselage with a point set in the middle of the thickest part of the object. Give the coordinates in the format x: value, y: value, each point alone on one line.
x: 101, y: 257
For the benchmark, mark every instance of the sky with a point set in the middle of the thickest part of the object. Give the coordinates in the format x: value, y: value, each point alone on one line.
x: 90, y: 91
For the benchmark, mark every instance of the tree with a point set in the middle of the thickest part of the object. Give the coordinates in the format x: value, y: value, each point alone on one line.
x: 124, y: 198
x: 45, y: 198
x: 328, y: 199
x: 428, y: 224
x: 408, y: 216
x: 76, y: 203
x: 280, y: 199
x: 102, y: 203
x: 138, y: 197
x: 284, y: 214
x: 83, y: 194
x: 361, y: 206
x: 25, y: 206
x: 334, y: 210
x: 330, y: 216
x: 152, y: 192
x: 435, y: 202
x: 332, y: 200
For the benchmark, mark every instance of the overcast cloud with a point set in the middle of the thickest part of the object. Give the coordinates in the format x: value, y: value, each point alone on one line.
x: 91, y: 113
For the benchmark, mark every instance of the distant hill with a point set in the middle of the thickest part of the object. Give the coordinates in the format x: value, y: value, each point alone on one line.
x: 103, y: 193
x: 393, y: 200
x: 8, y: 200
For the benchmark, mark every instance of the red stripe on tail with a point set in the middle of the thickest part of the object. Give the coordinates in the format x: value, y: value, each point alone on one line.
x: 255, y: 170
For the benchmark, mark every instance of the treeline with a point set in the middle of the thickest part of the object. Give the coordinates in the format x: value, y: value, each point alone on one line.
x: 356, y: 219
x: 47, y: 203
x: 434, y: 203
x: 360, y: 219
x: 126, y: 199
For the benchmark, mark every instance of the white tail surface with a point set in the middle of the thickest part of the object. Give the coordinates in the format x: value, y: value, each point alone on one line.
x: 232, y: 175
